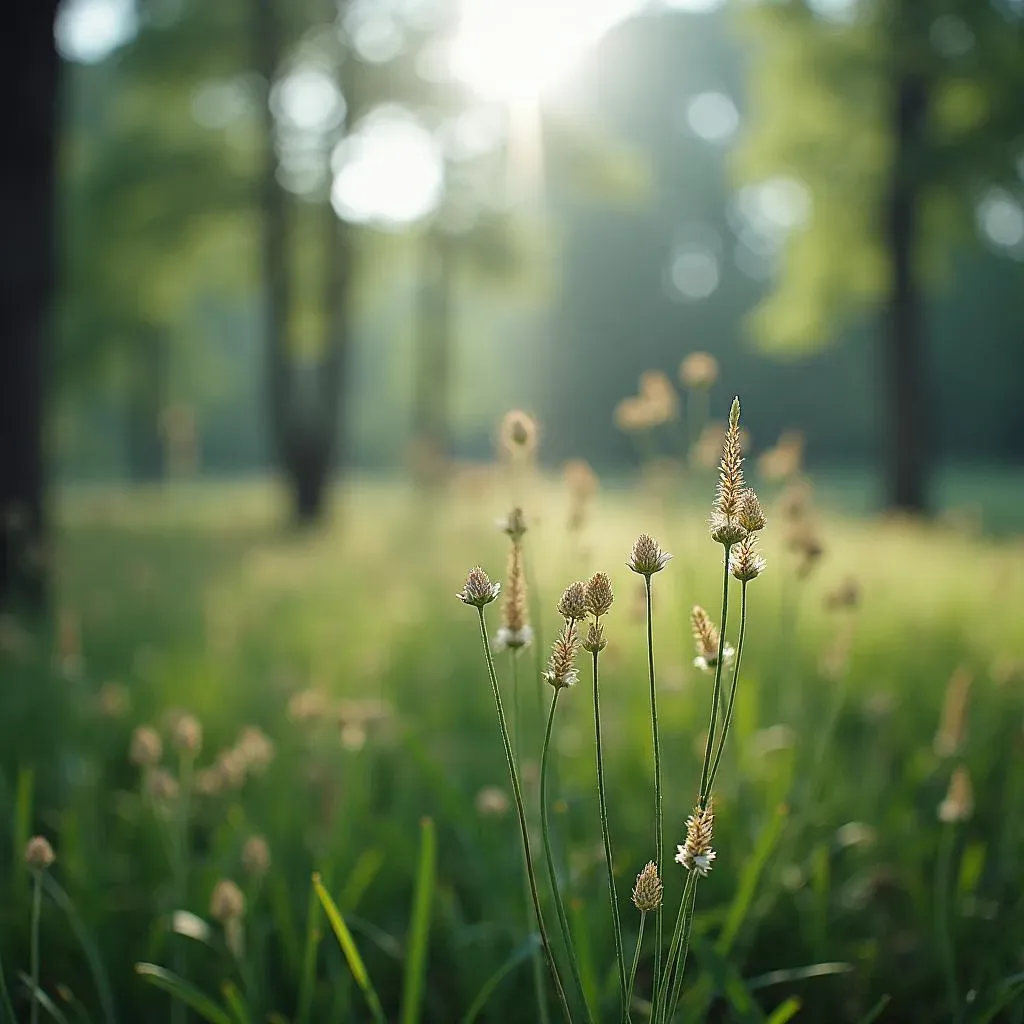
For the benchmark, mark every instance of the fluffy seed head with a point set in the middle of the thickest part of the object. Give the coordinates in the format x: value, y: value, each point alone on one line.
x: 479, y: 590
x: 634, y: 414
x: 39, y: 853
x: 959, y: 802
x: 518, y: 433
x: 146, y: 747
x: 187, y: 734
x: 514, y: 524
x: 514, y: 615
x: 256, y: 857
x: 573, y: 603
x: 725, y: 513
x: 647, y: 558
x: 726, y: 530
x: 696, y: 853
x: 657, y: 392
x: 595, y: 641
x: 561, y: 671
x: 698, y: 370
x: 227, y: 902
x: 706, y: 640
x: 599, y: 594
x: 751, y: 515
x: 648, y: 891
x: 745, y: 562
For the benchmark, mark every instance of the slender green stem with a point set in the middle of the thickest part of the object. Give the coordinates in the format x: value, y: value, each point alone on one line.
x: 185, y: 765
x: 659, y: 823
x: 943, y: 881
x: 732, y: 692
x: 636, y: 961
x: 549, y: 859
x: 523, y: 828
x: 37, y: 906
x: 608, y: 859
x: 705, y: 770
x: 519, y: 726
x: 677, y: 934
x: 677, y: 984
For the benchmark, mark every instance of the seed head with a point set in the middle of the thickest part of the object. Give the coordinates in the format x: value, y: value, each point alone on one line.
x: 187, y: 734
x: 846, y: 594
x: 647, y: 558
x: 751, y: 515
x: 657, y: 392
x: 39, y: 853
x: 515, y: 631
x: 479, y: 590
x: 698, y: 370
x: 514, y: 524
x: 255, y: 749
x: 696, y: 853
x: 146, y: 747
x: 227, y: 902
x: 595, y: 641
x: 745, y: 562
x: 954, y: 713
x: 725, y: 525
x: 561, y: 671
x: 573, y: 603
x: 491, y: 802
x: 959, y: 802
x: 634, y: 414
x: 256, y: 857
x: 706, y: 639
x: 161, y: 785
x: 783, y: 461
x: 648, y: 891
x: 518, y: 434
x: 599, y: 594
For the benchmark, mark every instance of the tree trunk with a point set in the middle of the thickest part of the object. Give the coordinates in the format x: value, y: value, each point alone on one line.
x: 29, y: 77
x: 905, y: 442
x: 434, y: 356
x: 146, y: 405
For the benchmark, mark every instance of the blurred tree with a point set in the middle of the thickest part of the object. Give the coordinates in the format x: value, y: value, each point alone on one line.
x: 894, y: 118
x: 29, y: 73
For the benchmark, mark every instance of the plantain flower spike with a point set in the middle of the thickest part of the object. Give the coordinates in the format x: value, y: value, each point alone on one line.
x: 479, y: 590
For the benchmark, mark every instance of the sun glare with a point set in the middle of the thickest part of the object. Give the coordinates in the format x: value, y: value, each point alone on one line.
x: 515, y: 50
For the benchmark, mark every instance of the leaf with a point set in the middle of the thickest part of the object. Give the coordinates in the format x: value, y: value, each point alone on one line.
x: 419, y: 925
x: 785, y: 1011
x: 348, y: 947
x: 92, y: 954
x: 184, y: 992
x: 360, y: 878
x: 798, y: 974
x: 43, y: 999
x: 487, y: 989
x: 1007, y: 991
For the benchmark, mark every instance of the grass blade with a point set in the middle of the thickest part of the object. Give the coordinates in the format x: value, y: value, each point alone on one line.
x: 6, y: 1009
x: 92, y: 956
x: 798, y: 974
x: 419, y: 925
x: 43, y: 999
x: 785, y: 1011
x: 360, y: 879
x: 22, y: 826
x: 236, y: 1003
x: 1011, y: 988
x: 487, y: 989
x: 348, y: 947
x: 876, y: 1011
x: 185, y: 992
x: 308, y: 977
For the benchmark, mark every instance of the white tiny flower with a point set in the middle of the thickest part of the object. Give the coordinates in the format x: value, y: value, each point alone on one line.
x: 702, y: 863
x: 706, y: 662
x: 506, y: 638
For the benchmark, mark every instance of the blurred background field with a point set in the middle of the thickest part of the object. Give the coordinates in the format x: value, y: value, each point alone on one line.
x: 273, y: 272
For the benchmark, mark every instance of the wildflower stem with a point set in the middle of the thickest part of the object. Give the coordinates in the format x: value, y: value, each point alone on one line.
x: 549, y: 859
x: 943, y: 878
x: 608, y: 859
x: 677, y: 984
x: 677, y: 933
x: 521, y: 812
x: 658, y: 818
x: 636, y: 961
x: 706, y: 769
x: 37, y: 906
x: 517, y: 706
x: 732, y: 692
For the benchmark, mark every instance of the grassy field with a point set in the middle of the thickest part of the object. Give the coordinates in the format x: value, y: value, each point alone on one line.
x: 837, y: 888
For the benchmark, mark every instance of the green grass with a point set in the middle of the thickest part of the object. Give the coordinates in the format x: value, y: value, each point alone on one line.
x: 193, y: 598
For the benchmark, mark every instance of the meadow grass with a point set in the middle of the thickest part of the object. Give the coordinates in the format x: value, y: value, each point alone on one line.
x: 835, y: 885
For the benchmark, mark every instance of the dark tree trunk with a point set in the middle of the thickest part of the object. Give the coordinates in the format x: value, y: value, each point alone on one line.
x: 434, y: 355
x: 146, y: 404
x: 29, y: 77
x: 903, y: 338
